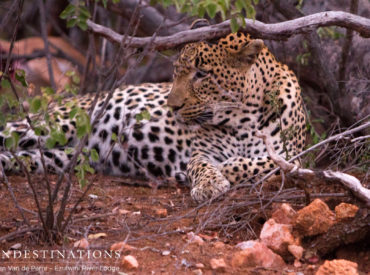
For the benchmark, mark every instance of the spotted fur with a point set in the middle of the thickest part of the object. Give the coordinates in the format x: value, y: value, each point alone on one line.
x: 202, y: 126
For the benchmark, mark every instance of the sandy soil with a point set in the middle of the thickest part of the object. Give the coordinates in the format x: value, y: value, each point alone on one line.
x: 137, y: 215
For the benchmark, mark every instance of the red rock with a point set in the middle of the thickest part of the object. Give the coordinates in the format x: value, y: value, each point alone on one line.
x: 256, y: 254
x: 192, y: 238
x: 338, y: 267
x: 314, y: 219
x: 218, y: 245
x: 296, y: 251
x: 83, y: 243
x: 277, y: 236
x: 297, y: 263
x: 199, y: 265
x: 345, y: 211
x: 130, y: 262
x: 284, y: 213
x: 218, y: 264
x: 162, y: 212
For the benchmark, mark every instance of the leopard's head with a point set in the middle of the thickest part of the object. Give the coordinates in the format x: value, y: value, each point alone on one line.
x: 211, y: 77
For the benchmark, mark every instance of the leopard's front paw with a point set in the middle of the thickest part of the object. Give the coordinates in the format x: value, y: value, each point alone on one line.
x: 209, y: 188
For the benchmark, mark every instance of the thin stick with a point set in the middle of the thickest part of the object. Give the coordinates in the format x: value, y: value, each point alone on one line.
x: 292, y: 170
x: 46, y: 42
x: 19, y: 232
x: 10, y: 189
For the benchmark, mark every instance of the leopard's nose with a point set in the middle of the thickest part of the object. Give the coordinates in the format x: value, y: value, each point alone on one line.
x: 174, y: 101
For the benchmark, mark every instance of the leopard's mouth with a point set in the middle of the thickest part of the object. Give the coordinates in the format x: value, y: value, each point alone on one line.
x: 176, y: 109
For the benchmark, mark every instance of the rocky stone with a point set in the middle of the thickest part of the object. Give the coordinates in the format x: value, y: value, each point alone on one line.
x: 166, y: 253
x: 277, y: 236
x: 130, y: 262
x: 197, y: 272
x: 284, y: 214
x: 254, y: 254
x: 199, y: 265
x: 314, y: 219
x: 296, y: 251
x: 97, y: 236
x: 83, y: 243
x: 345, y: 211
x: 218, y: 264
x: 192, y: 238
x: 297, y: 263
x: 338, y: 267
x: 162, y: 212
x: 218, y: 245
x: 16, y: 246
x: 99, y: 205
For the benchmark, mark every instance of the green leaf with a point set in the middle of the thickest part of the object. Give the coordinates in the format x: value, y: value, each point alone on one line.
x: 50, y: 143
x: 68, y: 150
x: 15, y: 137
x: 94, y: 155
x: 143, y: 115
x: 5, y: 83
x: 239, y: 4
x: 59, y: 137
x: 167, y: 3
x: 12, y: 141
x: 211, y: 9
x: 115, y: 1
x: 251, y: 12
x: 37, y: 131
x: 105, y: 3
x: 9, y: 143
x: 73, y: 112
x: 82, y: 25
x: 47, y: 91
x: 35, y: 105
x: 81, y: 131
x: 71, y: 22
x: 68, y: 11
x: 234, y: 25
x: 88, y: 168
x: 114, y: 137
x: 84, y: 13
x: 20, y: 75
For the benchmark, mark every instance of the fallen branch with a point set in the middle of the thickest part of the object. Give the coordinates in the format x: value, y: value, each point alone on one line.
x: 17, y: 233
x: 276, y: 31
x: 294, y: 171
x: 343, y: 233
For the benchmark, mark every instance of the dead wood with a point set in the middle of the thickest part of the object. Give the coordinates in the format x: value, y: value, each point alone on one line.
x: 343, y: 233
x: 277, y: 31
x: 296, y: 172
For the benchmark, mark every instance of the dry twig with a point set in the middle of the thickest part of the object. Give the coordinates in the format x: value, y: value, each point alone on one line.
x: 294, y: 171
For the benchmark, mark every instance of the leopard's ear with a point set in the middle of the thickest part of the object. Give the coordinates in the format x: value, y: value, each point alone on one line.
x: 199, y: 23
x: 248, y: 51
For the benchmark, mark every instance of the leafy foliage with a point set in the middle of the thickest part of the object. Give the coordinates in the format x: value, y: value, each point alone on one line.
x: 237, y: 10
x: 76, y: 15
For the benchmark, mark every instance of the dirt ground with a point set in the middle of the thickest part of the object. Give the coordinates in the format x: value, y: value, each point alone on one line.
x: 153, y: 222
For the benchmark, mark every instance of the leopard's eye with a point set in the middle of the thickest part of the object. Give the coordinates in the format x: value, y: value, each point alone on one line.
x: 200, y: 74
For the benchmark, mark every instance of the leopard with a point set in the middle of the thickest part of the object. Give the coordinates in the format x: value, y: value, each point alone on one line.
x: 201, y: 129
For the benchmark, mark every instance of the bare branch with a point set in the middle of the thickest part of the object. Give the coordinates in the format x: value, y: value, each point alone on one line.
x: 292, y: 170
x: 277, y: 31
x: 46, y: 42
